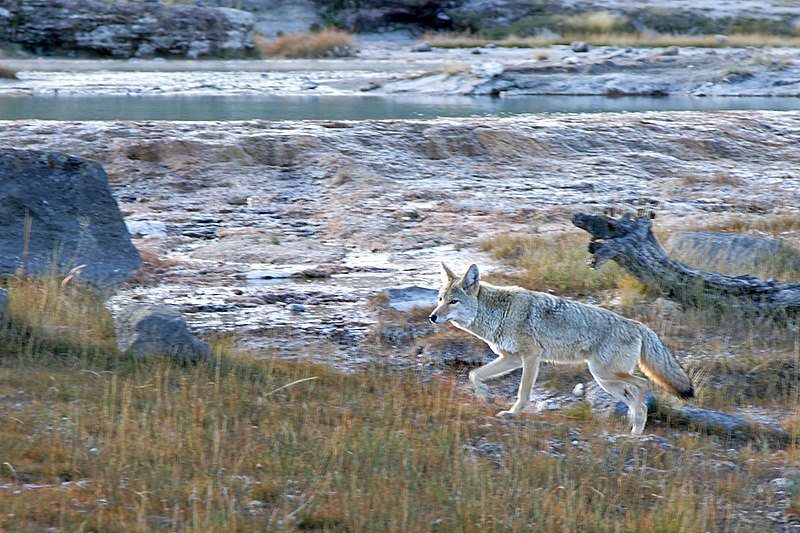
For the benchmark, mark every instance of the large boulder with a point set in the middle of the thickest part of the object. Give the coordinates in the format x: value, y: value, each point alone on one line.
x: 58, y: 211
x: 154, y: 330
x: 732, y: 253
x: 117, y: 29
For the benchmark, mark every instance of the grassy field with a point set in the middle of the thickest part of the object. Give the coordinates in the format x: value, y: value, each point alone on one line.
x: 93, y: 441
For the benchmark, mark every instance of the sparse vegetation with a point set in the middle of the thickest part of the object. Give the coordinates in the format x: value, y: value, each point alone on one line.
x: 6, y: 71
x: 594, y: 23
x: 775, y: 225
x: 717, y: 178
x: 557, y: 264
x: 634, y: 39
x: 328, y: 42
x: 104, y: 443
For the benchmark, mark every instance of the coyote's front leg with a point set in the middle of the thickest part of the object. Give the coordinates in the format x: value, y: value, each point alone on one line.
x: 530, y: 369
x: 499, y: 366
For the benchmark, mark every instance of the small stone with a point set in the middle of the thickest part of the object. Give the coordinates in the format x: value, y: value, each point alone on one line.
x: 579, y: 47
x: 722, y: 39
x: 299, y: 308
x: 476, y: 51
x: 422, y: 47
x: 94, y: 451
x: 782, y: 483
x: 670, y: 51
x: 548, y: 405
x: 371, y: 86
x: 237, y: 200
x: 578, y: 390
x: 307, y: 85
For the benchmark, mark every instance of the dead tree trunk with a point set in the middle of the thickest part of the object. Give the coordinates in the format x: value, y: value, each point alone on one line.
x: 631, y: 244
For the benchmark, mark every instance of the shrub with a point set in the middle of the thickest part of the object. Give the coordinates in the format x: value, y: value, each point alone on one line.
x: 329, y: 42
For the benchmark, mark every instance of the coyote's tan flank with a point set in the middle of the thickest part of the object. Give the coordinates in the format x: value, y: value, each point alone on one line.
x: 525, y: 327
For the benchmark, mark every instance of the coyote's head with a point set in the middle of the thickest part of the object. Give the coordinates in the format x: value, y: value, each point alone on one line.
x: 458, y: 297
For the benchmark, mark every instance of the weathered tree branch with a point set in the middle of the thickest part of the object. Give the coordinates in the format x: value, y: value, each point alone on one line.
x: 631, y: 244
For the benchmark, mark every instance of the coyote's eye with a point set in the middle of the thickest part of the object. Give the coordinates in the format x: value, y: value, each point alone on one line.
x: 452, y: 302
x: 440, y: 298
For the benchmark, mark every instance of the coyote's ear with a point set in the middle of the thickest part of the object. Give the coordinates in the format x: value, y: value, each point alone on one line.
x: 447, y: 274
x: 470, y: 279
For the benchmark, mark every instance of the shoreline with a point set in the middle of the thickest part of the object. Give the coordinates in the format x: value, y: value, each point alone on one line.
x: 395, y: 69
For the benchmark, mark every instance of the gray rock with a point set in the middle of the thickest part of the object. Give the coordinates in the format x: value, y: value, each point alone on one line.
x: 296, y: 307
x: 422, y: 47
x: 579, y: 47
x: 670, y: 51
x: 127, y: 29
x: 604, y: 405
x: 72, y: 216
x: 714, y: 420
x: 782, y: 484
x: 668, y: 309
x: 407, y: 298
x: 730, y: 253
x: 152, y: 330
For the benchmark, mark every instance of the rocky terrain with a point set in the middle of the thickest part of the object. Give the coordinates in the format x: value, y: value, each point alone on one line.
x: 381, y: 68
x: 289, y: 227
x: 213, y: 29
x: 88, y: 28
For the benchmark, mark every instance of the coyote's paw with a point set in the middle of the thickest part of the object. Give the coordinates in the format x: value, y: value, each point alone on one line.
x: 506, y: 414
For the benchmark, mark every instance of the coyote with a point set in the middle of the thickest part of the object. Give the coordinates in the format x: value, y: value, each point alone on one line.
x: 525, y: 327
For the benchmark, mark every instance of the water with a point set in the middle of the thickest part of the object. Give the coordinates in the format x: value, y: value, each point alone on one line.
x: 354, y: 107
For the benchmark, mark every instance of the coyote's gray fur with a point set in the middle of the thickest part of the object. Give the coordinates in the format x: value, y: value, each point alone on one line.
x: 525, y: 327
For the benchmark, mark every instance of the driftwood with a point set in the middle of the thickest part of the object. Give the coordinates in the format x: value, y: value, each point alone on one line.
x: 631, y: 244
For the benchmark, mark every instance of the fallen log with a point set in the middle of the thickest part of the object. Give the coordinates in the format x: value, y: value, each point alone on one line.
x: 631, y: 244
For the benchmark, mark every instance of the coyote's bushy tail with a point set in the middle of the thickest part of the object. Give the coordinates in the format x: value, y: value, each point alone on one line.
x: 658, y: 364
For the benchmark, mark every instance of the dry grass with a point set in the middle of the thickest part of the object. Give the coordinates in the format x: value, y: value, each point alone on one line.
x: 329, y: 42
x: 595, y: 23
x: 58, y: 311
x: 598, y: 38
x: 109, y: 444
x: 775, y: 225
x: 553, y: 264
x: 717, y: 178
x: 7, y: 72
x: 766, y: 382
